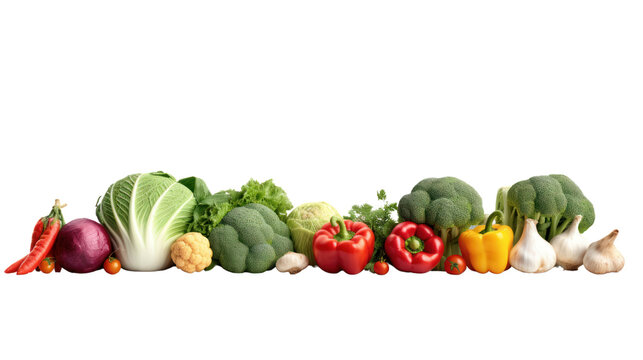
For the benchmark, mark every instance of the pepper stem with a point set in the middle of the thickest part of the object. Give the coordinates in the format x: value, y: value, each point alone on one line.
x: 55, y: 214
x: 489, y: 225
x: 414, y: 245
x: 343, y: 233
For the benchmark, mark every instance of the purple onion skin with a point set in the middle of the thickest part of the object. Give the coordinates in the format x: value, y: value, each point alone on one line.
x: 82, y: 246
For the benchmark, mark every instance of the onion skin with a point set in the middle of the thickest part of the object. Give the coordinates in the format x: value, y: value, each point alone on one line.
x: 82, y: 246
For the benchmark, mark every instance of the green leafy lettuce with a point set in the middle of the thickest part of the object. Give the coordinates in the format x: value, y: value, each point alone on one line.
x: 211, y: 208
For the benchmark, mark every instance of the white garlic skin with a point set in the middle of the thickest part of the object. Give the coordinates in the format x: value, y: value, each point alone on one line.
x: 570, y: 246
x: 603, y: 257
x: 532, y: 253
x: 292, y: 262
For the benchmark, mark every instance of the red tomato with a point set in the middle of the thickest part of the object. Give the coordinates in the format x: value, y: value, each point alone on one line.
x: 47, y: 265
x: 455, y: 265
x: 112, y: 265
x: 380, y: 267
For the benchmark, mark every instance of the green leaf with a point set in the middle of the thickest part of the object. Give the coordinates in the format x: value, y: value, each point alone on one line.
x: 380, y: 220
x: 197, y: 186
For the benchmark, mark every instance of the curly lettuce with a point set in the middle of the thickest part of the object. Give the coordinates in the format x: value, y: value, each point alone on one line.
x: 211, y: 208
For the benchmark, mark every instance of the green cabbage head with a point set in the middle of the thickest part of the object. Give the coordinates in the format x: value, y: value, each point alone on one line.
x: 304, y: 221
x: 144, y: 214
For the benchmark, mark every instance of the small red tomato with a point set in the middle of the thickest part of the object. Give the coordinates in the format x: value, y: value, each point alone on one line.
x: 455, y: 265
x: 112, y: 265
x: 47, y: 265
x: 380, y: 268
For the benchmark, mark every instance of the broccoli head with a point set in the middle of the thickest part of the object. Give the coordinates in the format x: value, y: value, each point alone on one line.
x: 553, y: 200
x: 250, y: 238
x: 448, y: 205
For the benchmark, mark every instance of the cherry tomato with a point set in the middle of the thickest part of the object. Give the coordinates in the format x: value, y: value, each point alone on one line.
x: 380, y: 267
x: 47, y: 265
x: 455, y: 265
x: 112, y: 265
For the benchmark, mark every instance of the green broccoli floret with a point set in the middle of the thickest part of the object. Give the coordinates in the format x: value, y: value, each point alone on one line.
x: 577, y: 204
x: 553, y: 200
x: 250, y: 238
x: 211, y: 208
x: 448, y: 205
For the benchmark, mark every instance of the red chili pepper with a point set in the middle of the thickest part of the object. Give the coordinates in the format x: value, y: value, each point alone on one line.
x: 343, y: 245
x: 42, y: 241
x: 14, y: 267
x: 414, y: 248
x: 41, y: 249
x: 38, y: 230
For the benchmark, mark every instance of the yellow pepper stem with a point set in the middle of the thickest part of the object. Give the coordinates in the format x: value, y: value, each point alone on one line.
x: 489, y: 225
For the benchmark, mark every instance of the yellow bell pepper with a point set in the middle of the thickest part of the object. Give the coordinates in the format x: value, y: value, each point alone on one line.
x: 486, y: 247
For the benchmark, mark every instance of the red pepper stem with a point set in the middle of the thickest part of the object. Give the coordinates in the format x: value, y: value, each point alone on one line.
x: 56, y: 214
x: 343, y: 233
x: 489, y: 225
x: 414, y: 245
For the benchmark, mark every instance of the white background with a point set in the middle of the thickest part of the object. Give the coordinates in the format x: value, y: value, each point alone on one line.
x: 334, y: 100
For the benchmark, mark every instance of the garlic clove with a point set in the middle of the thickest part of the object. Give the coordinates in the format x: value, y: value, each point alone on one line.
x: 292, y: 262
x: 570, y: 246
x: 603, y: 257
x: 532, y: 253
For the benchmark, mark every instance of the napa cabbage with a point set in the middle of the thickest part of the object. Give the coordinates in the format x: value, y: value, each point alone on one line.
x: 144, y: 214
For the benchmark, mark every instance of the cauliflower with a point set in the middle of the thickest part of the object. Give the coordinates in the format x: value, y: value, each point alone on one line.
x: 191, y: 252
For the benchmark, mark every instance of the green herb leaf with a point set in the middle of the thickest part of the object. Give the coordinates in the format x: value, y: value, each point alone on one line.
x: 381, y: 220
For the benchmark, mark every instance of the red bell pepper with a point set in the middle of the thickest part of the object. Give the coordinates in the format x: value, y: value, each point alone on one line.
x: 414, y: 247
x: 343, y: 245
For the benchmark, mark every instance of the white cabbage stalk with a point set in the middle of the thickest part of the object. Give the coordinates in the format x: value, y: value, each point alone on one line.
x: 144, y: 214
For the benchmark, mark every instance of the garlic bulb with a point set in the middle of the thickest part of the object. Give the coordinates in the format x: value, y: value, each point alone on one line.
x: 532, y: 253
x: 292, y: 262
x: 570, y: 246
x: 603, y: 257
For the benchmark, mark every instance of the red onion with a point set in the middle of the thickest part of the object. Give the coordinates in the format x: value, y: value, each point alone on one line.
x: 82, y: 245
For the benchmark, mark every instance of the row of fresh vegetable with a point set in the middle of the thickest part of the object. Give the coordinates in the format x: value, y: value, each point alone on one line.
x: 149, y: 222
